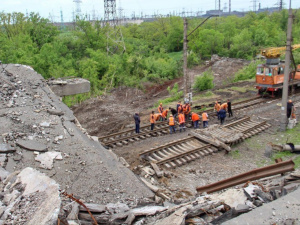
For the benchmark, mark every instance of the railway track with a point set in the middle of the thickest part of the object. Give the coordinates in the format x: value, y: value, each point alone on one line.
x: 236, y: 106
x: 182, y: 151
x: 124, y: 137
x: 178, y: 153
x: 161, y: 128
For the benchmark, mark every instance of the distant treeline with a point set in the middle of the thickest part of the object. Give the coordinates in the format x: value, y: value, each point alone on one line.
x: 153, y: 49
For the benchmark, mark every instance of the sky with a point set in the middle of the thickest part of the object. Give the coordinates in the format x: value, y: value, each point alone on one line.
x: 96, y: 7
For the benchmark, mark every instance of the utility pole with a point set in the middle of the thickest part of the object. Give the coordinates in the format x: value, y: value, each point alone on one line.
x: 185, y: 74
x: 187, y: 79
x: 283, y: 119
x: 229, y: 6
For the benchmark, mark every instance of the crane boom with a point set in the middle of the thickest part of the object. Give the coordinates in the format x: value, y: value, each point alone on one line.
x: 272, y: 53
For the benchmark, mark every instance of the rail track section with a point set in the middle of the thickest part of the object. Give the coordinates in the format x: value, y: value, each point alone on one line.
x: 124, y: 137
x: 182, y: 151
x: 178, y: 153
x: 237, y: 106
x: 248, y: 127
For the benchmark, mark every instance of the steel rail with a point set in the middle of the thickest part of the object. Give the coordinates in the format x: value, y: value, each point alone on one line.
x: 144, y: 154
x: 135, y: 136
x: 131, y: 130
x: 171, y: 158
x: 255, y: 174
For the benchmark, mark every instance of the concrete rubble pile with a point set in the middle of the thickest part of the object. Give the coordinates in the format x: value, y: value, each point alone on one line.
x: 28, y: 197
x: 37, y: 130
x: 206, y: 209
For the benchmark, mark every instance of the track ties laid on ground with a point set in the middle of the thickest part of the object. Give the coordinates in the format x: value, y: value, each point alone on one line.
x: 178, y: 153
x: 124, y: 137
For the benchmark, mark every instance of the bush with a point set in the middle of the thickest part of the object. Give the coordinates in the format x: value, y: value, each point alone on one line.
x: 204, y: 82
x: 248, y: 72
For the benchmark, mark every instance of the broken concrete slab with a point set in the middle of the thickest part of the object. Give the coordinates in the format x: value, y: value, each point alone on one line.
x: 55, y: 112
x: 70, y: 86
x: 47, y: 158
x: 95, y: 208
x: 290, y: 188
x: 3, y: 173
x: 6, y: 148
x: 232, y: 197
x: 177, y: 218
x: 241, y: 208
x: 32, y: 145
x: 117, y: 208
x: 38, y: 201
x: 73, y: 215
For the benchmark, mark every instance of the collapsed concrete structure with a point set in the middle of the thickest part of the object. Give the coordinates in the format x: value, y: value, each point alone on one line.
x: 39, y: 131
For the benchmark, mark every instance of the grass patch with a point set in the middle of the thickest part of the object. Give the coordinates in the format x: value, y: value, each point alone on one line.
x: 286, y: 156
x: 235, y: 154
x: 242, y: 89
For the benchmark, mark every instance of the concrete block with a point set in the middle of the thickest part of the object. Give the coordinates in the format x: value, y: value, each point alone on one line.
x: 290, y: 188
x: 70, y: 87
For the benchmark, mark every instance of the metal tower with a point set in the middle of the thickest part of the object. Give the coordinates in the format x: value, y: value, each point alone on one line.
x: 62, y: 25
x: 229, y: 6
x: 78, y: 8
x: 280, y: 5
x: 115, y: 42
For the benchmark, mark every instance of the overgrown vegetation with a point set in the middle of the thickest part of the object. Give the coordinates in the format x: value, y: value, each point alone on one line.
x: 204, y: 82
x: 153, y: 49
x: 248, y: 72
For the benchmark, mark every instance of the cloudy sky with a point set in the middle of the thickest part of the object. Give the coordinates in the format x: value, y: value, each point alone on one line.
x: 95, y: 7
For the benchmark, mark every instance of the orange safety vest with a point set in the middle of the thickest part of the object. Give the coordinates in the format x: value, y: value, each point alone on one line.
x: 181, y: 118
x: 195, y: 117
x: 180, y: 109
x: 171, y: 121
x: 186, y: 109
x: 152, y: 118
x: 224, y: 106
x: 217, y: 107
x: 165, y: 113
x: 156, y: 116
x: 160, y: 109
x: 204, y: 116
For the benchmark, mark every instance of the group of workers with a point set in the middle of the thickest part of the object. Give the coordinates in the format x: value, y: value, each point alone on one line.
x: 221, y: 108
x: 181, y: 113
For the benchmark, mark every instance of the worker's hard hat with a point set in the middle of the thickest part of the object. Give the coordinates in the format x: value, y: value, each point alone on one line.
x: 171, y: 115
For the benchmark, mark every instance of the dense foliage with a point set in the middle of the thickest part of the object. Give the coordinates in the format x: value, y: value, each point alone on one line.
x: 153, y: 49
x: 204, y: 82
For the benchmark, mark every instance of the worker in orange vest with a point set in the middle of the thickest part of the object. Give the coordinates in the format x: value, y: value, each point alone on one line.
x: 172, y: 124
x: 217, y: 109
x: 224, y: 106
x: 186, y: 110
x: 157, y: 116
x: 160, y: 110
x: 181, y: 120
x: 205, y: 119
x: 152, y: 120
x: 165, y: 114
x: 195, y: 119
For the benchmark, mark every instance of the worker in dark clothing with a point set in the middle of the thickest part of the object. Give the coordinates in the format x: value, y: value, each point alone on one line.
x: 289, y: 108
x: 222, y: 114
x: 152, y: 120
x: 229, y: 108
x: 173, y: 111
x: 137, y: 122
